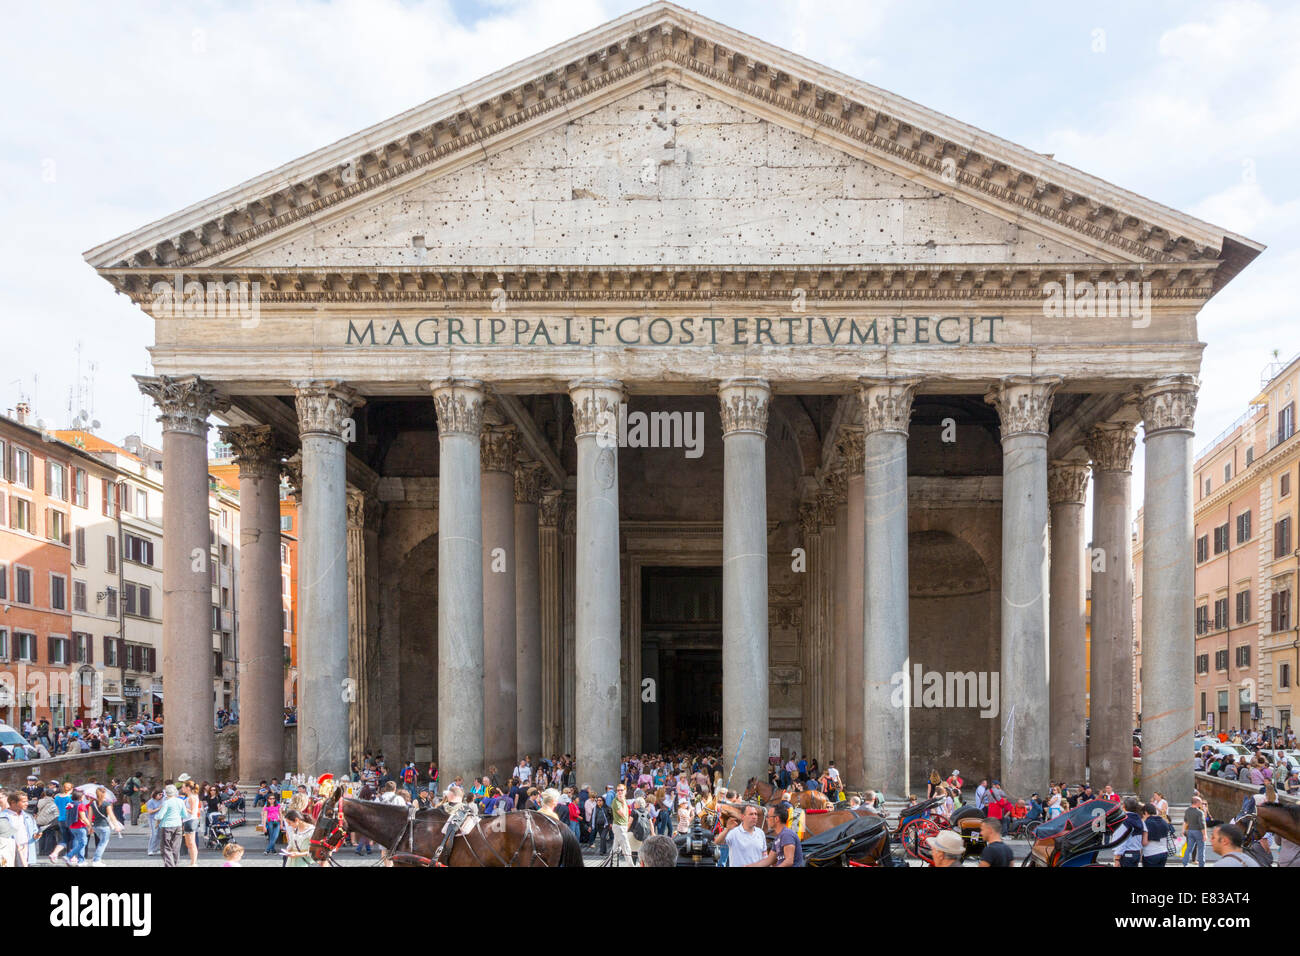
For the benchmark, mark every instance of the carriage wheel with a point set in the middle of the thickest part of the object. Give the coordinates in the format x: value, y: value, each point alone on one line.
x: 1030, y: 830
x: 942, y: 822
x: 914, y: 836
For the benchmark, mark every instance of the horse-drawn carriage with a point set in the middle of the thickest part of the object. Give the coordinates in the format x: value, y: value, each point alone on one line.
x: 1078, y: 837
x: 863, y: 841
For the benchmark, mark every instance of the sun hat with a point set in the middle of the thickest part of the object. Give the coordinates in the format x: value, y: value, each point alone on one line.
x: 946, y: 842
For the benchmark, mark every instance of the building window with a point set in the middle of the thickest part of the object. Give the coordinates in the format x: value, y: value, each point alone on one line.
x: 22, y: 473
x: 1250, y: 456
x: 79, y: 596
x: 141, y: 503
x: 23, y: 585
x: 25, y: 646
x: 80, y: 488
x: 227, y: 645
x: 137, y: 599
x: 1221, y: 538
x: 225, y: 554
x: 1227, y: 472
x: 1220, y: 613
x: 137, y: 549
x: 225, y: 597
x: 1221, y: 660
x: 58, y: 650
x: 284, y: 554
x: 1202, y: 619
x: 112, y: 554
x: 1282, y: 538
x: 79, y: 547
x: 106, y: 487
x: 1243, y: 607
x: 1243, y: 527
x: 4, y: 582
x: 110, y: 601
x: 216, y: 618
x: 1286, y: 423
x: 225, y: 519
x: 1202, y: 548
x: 1284, y: 675
x: 1281, y: 610
x: 56, y: 481
x: 20, y: 515
x: 1202, y: 665
x: 110, y: 651
x: 1284, y: 485
x: 56, y: 526
x: 1243, y: 655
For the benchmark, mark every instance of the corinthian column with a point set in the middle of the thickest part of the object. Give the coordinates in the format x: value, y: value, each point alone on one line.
x: 838, y: 686
x: 324, y: 410
x: 597, y: 634
x: 886, y: 412
x: 1024, y: 405
x: 1168, y: 588
x: 1110, y: 749
x: 850, y: 446
x: 552, y: 619
x: 744, y: 575
x: 810, y: 539
x: 184, y: 404
x: 459, y: 404
x: 500, y: 702
x: 528, y: 623
x: 261, y: 629
x: 1067, y: 484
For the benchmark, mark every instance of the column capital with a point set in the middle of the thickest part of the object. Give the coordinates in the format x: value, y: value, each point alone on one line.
x: 1110, y: 446
x: 886, y: 403
x: 810, y: 517
x: 549, y: 508
x: 595, y: 407
x: 257, y: 451
x: 1168, y: 404
x: 1024, y: 403
x: 528, y: 482
x: 837, y: 482
x: 324, y: 406
x: 1067, y: 482
x: 744, y: 404
x: 851, y: 446
x: 460, y: 405
x: 826, y: 509
x: 498, y: 447
x: 291, y: 469
x: 184, y: 402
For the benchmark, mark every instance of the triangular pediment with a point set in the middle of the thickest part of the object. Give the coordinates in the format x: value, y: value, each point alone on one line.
x: 664, y: 176
x: 850, y: 146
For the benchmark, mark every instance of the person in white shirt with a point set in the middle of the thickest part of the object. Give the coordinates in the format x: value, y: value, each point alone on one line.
x: 24, y: 828
x: 746, y: 844
x: 524, y: 771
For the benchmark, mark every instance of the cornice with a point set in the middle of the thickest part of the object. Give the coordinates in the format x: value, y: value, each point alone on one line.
x: 885, y: 283
x: 1250, y: 475
x: 666, y: 41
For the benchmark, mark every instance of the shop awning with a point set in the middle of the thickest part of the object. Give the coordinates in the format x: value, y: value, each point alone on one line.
x: 158, y: 694
x: 109, y: 699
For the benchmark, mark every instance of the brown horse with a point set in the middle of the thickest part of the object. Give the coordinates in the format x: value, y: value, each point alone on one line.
x: 520, y: 838
x: 1277, y: 818
x: 813, y: 823
x: 803, y: 799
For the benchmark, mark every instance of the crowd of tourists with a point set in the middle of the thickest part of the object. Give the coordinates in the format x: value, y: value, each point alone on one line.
x: 43, y: 741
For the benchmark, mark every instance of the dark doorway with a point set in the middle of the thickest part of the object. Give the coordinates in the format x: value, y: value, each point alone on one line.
x: 681, y: 651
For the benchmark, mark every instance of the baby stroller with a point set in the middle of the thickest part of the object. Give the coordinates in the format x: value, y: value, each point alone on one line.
x: 218, y: 831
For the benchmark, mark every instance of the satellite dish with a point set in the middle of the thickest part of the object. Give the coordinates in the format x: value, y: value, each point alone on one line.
x: 83, y: 416
x: 94, y: 424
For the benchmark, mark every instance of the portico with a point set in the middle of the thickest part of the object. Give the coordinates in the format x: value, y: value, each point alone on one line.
x: 453, y: 307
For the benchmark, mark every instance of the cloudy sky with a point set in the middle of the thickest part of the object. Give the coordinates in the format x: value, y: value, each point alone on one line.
x: 118, y: 114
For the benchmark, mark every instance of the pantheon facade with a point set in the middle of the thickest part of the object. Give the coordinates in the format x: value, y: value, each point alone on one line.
x: 670, y: 388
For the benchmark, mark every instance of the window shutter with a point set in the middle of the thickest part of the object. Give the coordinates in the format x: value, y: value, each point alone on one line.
x: 49, y: 649
x: 121, y: 651
x: 90, y: 647
x: 107, y: 644
x: 153, y: 659
x: 49, y: 469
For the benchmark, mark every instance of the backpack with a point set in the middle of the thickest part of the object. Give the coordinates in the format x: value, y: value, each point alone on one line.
x: 70, y: 813
x: 409, y: 775
x: 640, y: 829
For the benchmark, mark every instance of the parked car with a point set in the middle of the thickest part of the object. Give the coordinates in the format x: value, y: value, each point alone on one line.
x: 9, y: 739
